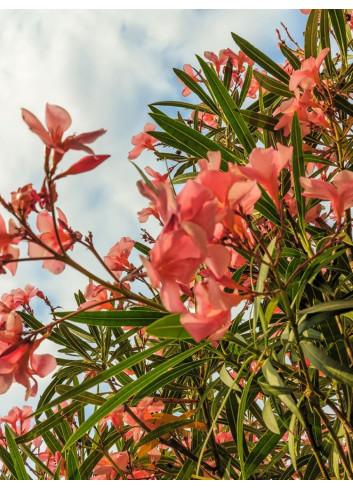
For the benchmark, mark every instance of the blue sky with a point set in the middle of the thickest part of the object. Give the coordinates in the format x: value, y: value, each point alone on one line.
x: 104, y: 67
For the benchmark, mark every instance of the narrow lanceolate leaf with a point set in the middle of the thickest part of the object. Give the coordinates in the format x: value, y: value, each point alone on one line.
x: 49, y: 423
x: 261, y: 59
x: 269, y: 417
x: 339, y: 28
x: 197, y: 90
x: 343, y: 104
x: 198, y: 145
x: 246, y: 85
x: 335, y: 307
x: 298, y: 169
x: 275, y: 380
x: 127, y: 391
x: 165, y: 429
x: 273, y: 85
x: 259, y: 120
x: 17, y: 460
x: 115, y: 318
x: 310, y: 37
x: 260, y: 283
x: 142, y: 248
x: 291, y: 57
x: 7, y: 459
x: 104, y: 376
x: 240, y: 422
x: 326, y: 364
x: 264, y: 447
x: 180, y: 179
x: 229, y: 108
x: 168, y: 327
x: 325, y: 40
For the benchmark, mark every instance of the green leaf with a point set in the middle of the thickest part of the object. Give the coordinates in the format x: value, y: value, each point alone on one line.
x: 184, y: 177
x: 259, y: 120
x: 168, y: 327
x: 270, y: 418
x: 229, y: 108
x: 127, y: 391
x: 19, y: 466
x: 115, y: 318
x: 186, y: 470
x: 8, y: 461
x: 298, y: 169
x: 163, y: 430
x: 196, y: 89
x: 246, y: 85
x: 26, y: 450
x: 275, y: 380
x: 343, y: 104
x: 198, y: 145
x: 325, y: 40
x: 336, y: 307
x: 142, y: 248
x: 288, y: 53
x: 310, y: 38
x: 168, y: 377
x: 105, y: 375
x: 339, y: 28
x: 167, y: 139
x: 51, y: 422
x: 291, y: 441
x: 261, y: 59
x: 273, y: 86
x: 326, y: 364
x: 264, y: 447
x: 240, y: 420
x: 144, y: 177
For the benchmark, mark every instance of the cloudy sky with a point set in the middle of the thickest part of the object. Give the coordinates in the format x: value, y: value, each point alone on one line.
x: 104, y: 67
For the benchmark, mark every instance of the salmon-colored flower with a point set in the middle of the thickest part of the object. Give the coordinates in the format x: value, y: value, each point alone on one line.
x: 213, y: 312
x: 7, y: 240
x: 19, y: 419
x: 105, y: 470
x: 117, y: 258
x: 188, y: 69
x: 18, y: 362
x: 58, y: 120
x: 339, y: 192
x: 142, y: 141
x: 308, y: 75
x: 265, y: 166
x: 94, y: 294
x: 48, y: 237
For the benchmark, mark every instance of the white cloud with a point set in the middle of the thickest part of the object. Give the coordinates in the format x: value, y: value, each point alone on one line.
x: 104, y: 67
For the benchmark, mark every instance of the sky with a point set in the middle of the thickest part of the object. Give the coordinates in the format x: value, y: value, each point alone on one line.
x: 104, y: 67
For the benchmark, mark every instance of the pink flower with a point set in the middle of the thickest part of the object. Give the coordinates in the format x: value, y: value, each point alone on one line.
x: 142, y: 141
x: 265, y: 166
x: 308, y: 75
x: 48, y: 237
x: 23, y: 201
x: 19, y: 419
x: 94, y: 294
x: 18, y: 362
x: 213, y: 312
x: 117, y: 258
x: 7, y: 239
x: 221, y: 59
x: 58, y: 120
x: 174, y: 258
x: 339, y: 192
x: 104, y: 468
x: 144, y: 411
x: 189, y: 71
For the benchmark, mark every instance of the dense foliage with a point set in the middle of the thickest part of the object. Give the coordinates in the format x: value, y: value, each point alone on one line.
x: 227, y: 353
